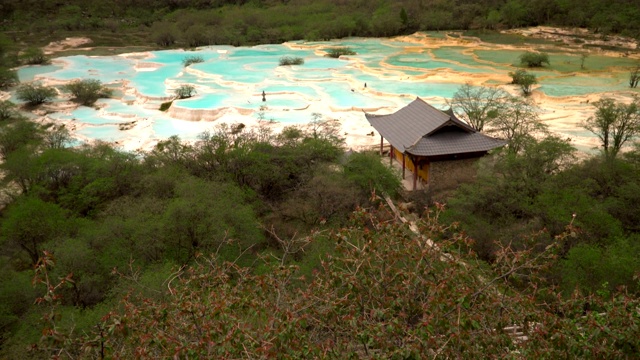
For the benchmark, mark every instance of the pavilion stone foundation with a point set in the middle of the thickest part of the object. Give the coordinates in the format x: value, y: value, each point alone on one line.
x: 449, y: 174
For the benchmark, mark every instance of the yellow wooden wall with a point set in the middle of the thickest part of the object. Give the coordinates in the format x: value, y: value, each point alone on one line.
x: 423, y: 172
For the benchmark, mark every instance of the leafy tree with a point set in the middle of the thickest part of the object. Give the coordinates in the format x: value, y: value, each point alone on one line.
x: 171, y: 152
x: 91, y: 176
x: 35, y: 94
x: 34, y: 56
x: 517, y: 121
x: 502, y: 204
x: 593, y: 268
x: 566, y: 197
x: 132, y: 227
x: 493, y: 19
x: 385, y: 21
x: 16, y: 296
x: 478, y: 106
x: 329, y: 130
x: 326, y: 197
x: 534, y: 59
x: 30, y: 223
x: 17, y: 135
x: 436, y: 20
x: 91, y: 280
x: 524, y: 79
x: 614, y: 124
x: 7, y: 110
x: 8, y: 78
x: 19, y: 168
x: 370, y: 174
x: 204, y: 215
x: 513, y: 13
x: 56, y: 137
x: 87, y: 91
x: 185, y: 91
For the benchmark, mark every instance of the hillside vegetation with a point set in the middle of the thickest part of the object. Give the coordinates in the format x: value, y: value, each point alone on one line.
x: 208, y: 22
x: 250, y: 244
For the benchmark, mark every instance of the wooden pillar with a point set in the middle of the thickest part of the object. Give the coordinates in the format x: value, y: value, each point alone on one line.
x: 403, y: 164
x: 390, y: 154
x: 415, y: 173
x: 381, y: 144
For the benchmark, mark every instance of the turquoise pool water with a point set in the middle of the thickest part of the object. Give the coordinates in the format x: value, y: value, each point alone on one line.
x: 394, y: 71
x: 28, y: 73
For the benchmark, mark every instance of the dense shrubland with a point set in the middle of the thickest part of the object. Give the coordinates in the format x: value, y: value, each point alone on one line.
x: 96, y: 209
x: 535, y: 185
x: 252, y: 244
x: 246, y: 243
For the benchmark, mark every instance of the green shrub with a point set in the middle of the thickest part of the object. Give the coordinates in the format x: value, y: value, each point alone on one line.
x: 290, y: 60
x: 87, y: 91
x: 192, y: 59
x: 517, y: 76
x: 524, y: 79
x: 16, y: 137
x: 369, y: 173
x: 185, y: 91
x: 34, y: 56
x: 592, y: 268
x: 8, y: 78
x: 339, y: 51
x: 533, y: 59
x: 7, y: 110
x: 35, y: 94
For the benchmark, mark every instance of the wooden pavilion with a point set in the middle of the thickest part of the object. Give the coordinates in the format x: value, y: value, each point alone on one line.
x: 435, y: 145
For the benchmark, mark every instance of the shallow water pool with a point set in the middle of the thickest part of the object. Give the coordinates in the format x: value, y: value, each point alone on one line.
x: 395, y: 71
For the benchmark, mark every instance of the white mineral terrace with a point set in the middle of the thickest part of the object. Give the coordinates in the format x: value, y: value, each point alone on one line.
x: 383, y: 76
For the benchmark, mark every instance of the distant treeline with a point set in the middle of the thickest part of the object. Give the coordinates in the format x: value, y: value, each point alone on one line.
x: 208, y: 22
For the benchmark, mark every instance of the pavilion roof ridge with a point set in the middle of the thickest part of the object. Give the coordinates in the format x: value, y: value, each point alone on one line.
x: 409, y: 127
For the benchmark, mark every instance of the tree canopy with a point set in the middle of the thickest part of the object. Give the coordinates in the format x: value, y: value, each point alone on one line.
x: 614, y: 124
x: 192, y: 23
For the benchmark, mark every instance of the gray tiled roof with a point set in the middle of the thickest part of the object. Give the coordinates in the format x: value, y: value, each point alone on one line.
x: 423, y: 130
x: 449, y: 142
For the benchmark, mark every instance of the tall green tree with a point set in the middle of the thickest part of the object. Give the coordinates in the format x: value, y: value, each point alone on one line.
x: 478, y: 106
x: 614, y: 123
x: 517, y: 122
x: 523, y: 79
x: 204, y: 216
x: 30, y: 223
x: 17, y: 135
